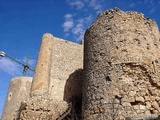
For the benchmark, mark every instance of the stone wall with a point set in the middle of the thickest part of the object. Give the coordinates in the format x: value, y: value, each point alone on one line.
x: 18, y: 92
x: 122, y: 66
x: 120, y: 74
x: 67, y: 58
x: 41, y: 77
x: 59, y: 63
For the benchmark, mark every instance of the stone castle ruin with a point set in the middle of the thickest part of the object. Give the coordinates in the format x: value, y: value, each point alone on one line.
x: 113, y: 75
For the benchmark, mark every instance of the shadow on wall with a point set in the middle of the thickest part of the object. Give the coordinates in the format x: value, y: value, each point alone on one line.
x: 73, y: 87
x: 73, y: 93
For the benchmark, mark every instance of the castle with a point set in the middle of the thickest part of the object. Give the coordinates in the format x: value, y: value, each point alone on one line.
x: 113, y: 75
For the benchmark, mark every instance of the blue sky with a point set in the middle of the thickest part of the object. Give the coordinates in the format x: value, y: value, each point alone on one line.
x: 23, y: 22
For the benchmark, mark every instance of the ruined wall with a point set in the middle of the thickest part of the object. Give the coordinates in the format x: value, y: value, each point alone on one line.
x: 122, y: 66
x: 19, y: 90
x: 57, y: 64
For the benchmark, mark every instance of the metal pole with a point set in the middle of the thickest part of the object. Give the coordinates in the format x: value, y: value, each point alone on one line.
x: 2, y: 54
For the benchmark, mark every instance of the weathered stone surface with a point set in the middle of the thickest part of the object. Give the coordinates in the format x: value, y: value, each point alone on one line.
x: 42, y: 72
x: 126, y: 104
x: 131, y: 99
x: 147, y: 98
x: 140, y: 99
x: 142, y: 107
x: 120, y: 78
x: 155, y: 105
x: 121, y: 55
x: 42, y: 108
x: 19, y: 91
x: 57, y: 63
x: 136, y: 107
x: 132, y: 93
x: 148, y: 105
x: 65, y: 73
x: 57, y: 80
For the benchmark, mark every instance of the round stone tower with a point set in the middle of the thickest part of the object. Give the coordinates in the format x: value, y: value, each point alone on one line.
x: 122, y: 67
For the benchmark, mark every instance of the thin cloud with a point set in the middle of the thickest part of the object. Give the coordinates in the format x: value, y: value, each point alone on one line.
x: 74, y: 25
x: 95, y: 5
x: 10, y: 67
x: 151, y: 2
x: 132, y: 5
x: 79, y: 29
x: 88, y: 19
x: 152, y: 10
x: 78, y: 4
x: 145, y: 1
x: 68, y: 24
x: 67, y: 34
x: 31, y: 62
x: 81, y: 36
x: 86, y: 1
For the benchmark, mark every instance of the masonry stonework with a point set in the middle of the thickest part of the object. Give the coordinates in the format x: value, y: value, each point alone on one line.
x: 67, y: 58
x: 18, y: 92
x: 113, y: 75
x: 42, y: 72
x: 59, y: 63
x: 121, y: 64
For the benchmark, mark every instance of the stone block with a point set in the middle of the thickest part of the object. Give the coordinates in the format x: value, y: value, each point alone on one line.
x: 132, y: 93
x: 139, y: 99
x: 155, y: 105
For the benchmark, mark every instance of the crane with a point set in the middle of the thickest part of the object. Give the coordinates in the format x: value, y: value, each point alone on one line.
x: 25, y: 65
